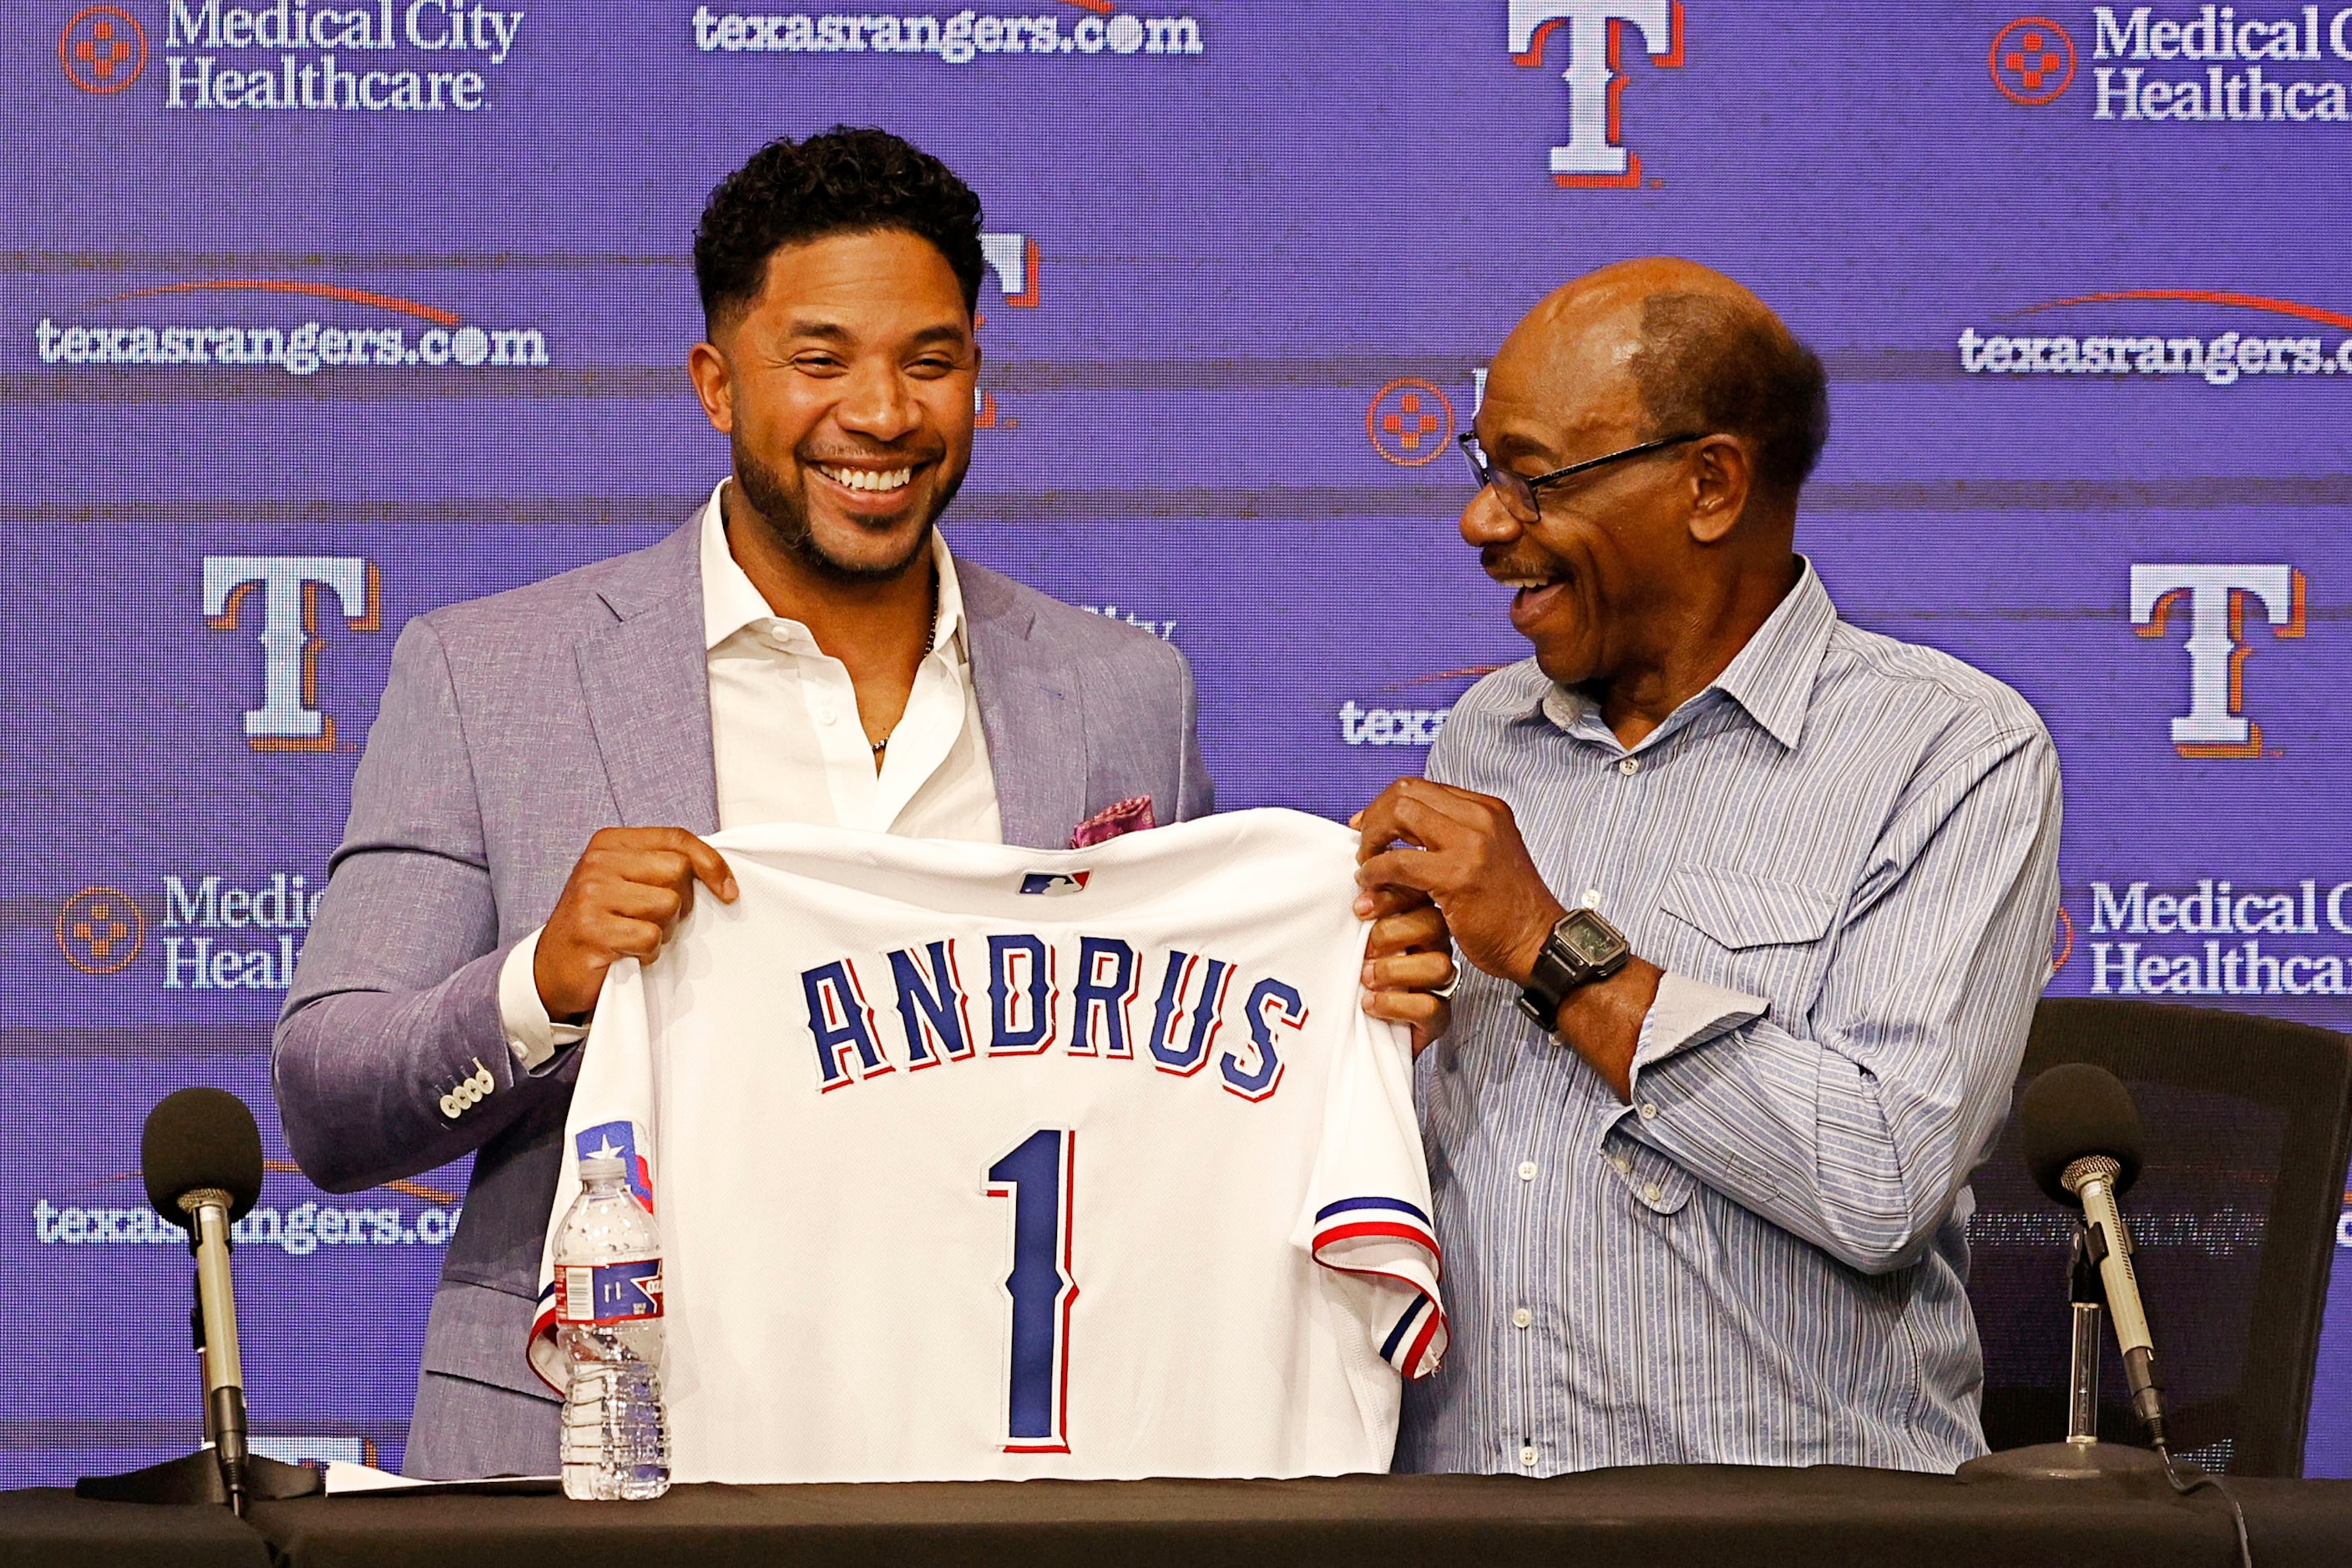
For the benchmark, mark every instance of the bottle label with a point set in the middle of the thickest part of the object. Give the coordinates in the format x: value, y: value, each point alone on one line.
x: 607, y: 1293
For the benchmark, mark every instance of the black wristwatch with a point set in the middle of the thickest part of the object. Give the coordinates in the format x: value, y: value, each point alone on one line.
x: 1581, y: 948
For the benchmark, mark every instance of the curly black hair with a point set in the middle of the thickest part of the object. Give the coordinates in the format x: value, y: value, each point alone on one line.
x: 847, y: 180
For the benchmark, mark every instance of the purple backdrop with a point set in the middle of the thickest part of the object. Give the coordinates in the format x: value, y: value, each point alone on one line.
x: 319, y: 316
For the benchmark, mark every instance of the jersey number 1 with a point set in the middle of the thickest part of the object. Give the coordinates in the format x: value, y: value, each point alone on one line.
x: 1040, y: 1177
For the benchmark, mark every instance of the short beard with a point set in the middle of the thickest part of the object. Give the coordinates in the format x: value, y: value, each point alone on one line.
x: 788, y: 524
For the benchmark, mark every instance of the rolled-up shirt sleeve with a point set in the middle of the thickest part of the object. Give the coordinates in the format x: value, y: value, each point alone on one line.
x: 1690, y: 1011
x: 1854, y: 1126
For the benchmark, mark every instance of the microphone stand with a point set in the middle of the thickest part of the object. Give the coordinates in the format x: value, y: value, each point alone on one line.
x: 204, y: 1363
x: 2083, y: 1378
x: 203, y: 1477
x: 2082, y: 1456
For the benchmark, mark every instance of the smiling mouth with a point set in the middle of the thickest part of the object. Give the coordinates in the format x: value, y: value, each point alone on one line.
x: 1524, y: 582
x: 873, y: 482
x: 1533, y: 594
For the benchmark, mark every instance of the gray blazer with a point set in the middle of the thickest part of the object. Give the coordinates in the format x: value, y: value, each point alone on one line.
x: 512, y: 729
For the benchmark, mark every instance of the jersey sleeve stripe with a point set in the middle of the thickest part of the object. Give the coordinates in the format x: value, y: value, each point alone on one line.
x: 1354, y: 1236
x: 1411, y: 1315
x: 1422, y: 1357
x: 543, y: 1348
x: 1347, y: 1205
x: 1400, y: 1231
x: 1428, y: 1347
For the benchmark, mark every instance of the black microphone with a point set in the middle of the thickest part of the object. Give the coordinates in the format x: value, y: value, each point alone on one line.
x: 2083, y: 1145
x: 201, y: 1156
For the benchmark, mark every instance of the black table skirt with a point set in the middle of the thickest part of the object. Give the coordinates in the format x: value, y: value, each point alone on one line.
x: 50, y: 1525
x: 1689, y: 1517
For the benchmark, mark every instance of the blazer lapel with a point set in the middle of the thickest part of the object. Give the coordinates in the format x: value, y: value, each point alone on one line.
x: 648, y: 690
x: 1029, y: 714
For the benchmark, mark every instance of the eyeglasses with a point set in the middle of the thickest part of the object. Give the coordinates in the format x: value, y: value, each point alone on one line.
x: 1517, y: 491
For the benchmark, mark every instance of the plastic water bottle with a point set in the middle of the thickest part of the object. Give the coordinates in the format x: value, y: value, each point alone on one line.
x: 608, y: 1309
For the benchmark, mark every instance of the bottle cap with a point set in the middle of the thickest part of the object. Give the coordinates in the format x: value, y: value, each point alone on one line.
x: 602, y: 1168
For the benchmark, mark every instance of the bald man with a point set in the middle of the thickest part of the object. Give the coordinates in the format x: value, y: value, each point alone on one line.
x: 1755, y: 906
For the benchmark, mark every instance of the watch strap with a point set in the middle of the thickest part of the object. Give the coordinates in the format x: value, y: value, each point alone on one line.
x: 1560, y: 969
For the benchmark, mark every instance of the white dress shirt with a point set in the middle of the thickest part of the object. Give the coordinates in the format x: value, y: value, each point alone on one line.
x: 788, y: 745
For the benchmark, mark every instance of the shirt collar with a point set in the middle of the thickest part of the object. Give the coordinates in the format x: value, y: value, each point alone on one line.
x: 729, y: 602
x: 1771, y: 676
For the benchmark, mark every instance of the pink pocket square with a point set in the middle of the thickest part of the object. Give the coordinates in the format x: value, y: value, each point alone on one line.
x: 1130, y: 815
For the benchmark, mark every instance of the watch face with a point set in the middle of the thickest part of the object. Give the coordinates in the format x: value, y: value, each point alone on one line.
x: 1589, y: 941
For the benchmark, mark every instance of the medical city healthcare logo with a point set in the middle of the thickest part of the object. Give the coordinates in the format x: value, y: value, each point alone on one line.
x: 369, y: 56
x: 1410, y: 422
x: 216, y: 931
x: 1595, y: 156
x: 103, y: 49
x: 101, y: 930
x: 2209, y: 64
x: 2031, y: 60
x: 2206, y: 935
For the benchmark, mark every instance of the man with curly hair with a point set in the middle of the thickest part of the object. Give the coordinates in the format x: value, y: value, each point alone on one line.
x: 806, y: 648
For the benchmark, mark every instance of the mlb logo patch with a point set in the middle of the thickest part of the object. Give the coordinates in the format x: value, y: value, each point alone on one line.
x: 1055, y: 884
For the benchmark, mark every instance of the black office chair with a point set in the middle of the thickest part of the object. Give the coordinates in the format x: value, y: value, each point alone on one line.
x: 2249, y: 1127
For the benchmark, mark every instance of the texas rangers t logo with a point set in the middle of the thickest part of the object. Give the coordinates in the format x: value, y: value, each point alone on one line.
x: 2219, y: 596
x: 1595, y: 156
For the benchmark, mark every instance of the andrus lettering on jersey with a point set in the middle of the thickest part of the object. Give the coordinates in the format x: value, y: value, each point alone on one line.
x: 1034, y: 997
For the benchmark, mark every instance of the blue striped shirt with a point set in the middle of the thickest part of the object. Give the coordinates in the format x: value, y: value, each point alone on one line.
x: 1843, y: 853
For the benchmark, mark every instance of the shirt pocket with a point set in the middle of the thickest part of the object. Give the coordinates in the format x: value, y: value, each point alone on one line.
x: 1758, y: 934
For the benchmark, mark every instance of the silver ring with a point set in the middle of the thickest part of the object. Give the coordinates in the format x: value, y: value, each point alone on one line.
x: 1445, y: 992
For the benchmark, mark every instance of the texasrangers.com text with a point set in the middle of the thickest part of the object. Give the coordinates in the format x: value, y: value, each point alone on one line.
x: 2221, y: 360
x: 297, y: 350
x: 298, y: 1232
x: 957, y: 39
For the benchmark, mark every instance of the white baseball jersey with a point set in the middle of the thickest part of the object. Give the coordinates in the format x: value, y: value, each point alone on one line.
x: 975, y: 1162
